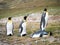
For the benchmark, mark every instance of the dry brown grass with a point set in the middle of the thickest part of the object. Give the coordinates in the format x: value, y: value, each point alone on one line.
x: 31, y: 28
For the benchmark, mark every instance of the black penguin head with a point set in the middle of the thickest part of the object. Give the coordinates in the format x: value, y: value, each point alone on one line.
x: 45, y: 9
x: 25, y: 17
x: 9, y: 18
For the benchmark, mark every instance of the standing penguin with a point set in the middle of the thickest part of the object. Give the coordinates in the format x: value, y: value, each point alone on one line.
x: 44, y: 20
x: 43, y: 24
x: 9, y: 27
x: 22, y: 27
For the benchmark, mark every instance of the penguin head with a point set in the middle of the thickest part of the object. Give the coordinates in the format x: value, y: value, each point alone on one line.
x: 45, y: 9
x: 25, y: 17
x: 9, y: 18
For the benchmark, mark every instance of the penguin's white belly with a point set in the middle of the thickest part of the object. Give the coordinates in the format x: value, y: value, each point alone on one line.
x: 9, y: 28
x: 45, y: 35
x: 24, y: 29
x: 36, y: 36
x: 46, y: 18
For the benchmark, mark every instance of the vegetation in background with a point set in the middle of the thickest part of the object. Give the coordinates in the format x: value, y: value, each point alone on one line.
x: 19, y: 12
x: 22, y: 7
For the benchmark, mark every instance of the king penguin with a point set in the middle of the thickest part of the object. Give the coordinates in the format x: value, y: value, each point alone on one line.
x: 9, y: 27
x: 44, y: 20
x: 22, y: 27
x: 43, y: 24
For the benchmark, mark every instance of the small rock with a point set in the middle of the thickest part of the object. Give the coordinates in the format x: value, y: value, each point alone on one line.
x: 51, y: 39
x: 1, y: 43
x: 6, y: 44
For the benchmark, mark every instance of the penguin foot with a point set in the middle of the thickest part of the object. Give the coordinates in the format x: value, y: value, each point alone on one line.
x: 24, y: 35
x: 51, y: 33
x: 10, y: 35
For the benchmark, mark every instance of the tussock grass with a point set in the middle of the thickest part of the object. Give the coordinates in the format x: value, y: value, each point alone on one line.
x: 16, y: 39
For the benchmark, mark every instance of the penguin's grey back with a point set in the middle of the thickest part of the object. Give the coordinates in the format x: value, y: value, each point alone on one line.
x: 21, y: 26
x: 43, y: 20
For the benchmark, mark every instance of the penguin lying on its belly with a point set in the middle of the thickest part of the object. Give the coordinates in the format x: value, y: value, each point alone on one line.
x: 40, y: 33
x: 22, y: 27
x: 9, y: 27
x: 43, y: 24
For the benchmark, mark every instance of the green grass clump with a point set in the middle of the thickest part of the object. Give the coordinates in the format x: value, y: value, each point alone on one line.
x: 19, y: 12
